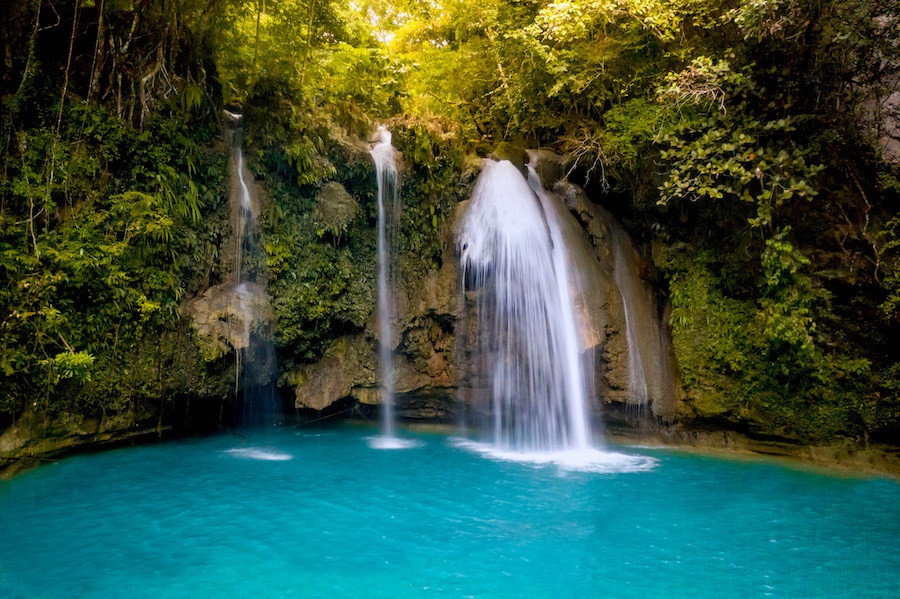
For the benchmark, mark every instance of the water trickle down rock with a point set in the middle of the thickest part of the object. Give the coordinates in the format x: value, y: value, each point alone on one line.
x: 636, y: 367
x: 528, y: 347
x: 237, y: 314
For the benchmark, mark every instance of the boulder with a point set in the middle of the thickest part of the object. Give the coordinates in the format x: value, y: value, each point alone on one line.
x: 335, y: 208
x: 513, y: 152
x: 550, y: 166
x: 348, y: 362
x: 426, y: 311
x: 223, y: 317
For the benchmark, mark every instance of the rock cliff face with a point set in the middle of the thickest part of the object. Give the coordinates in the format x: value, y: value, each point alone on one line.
x: 629, y: 348
x: 427, y: 364
x: 635, y: 366
x: 426, y: 374
x: 881, y: 110
x: 33, y: 440
x: 224, y: 316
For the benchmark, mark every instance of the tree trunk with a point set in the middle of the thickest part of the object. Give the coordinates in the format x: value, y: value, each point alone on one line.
x: 312, y: 12
x: 65, y: 88
x: 146, y: 79
x: 31, y: 46
x: 97, y: 62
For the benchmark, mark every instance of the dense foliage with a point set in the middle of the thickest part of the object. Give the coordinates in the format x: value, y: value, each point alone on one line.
x: 110, y: 210
x: 742, y: 143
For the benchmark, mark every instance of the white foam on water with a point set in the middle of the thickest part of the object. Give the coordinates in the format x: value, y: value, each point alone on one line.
x: 255, y: 453
x: 385, y: 442
x: 581, y: 460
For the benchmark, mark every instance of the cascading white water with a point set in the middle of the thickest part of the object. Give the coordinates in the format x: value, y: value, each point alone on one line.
x: 575, y: 380
x: 514, y: 259
x: 254, y: 355
x: 388, y: 178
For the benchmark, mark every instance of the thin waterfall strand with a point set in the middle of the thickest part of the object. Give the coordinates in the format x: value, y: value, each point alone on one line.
x: 651, y: 382
x: 626, y: 280
x: 388, y: 178
x: 255, y: 357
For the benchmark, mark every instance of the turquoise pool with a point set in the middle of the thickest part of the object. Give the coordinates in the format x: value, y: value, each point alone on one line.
x: 323, y: 514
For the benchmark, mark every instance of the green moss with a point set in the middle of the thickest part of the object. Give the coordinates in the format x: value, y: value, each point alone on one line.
x: 433, y: 184
x: 736, y: 370
x: 323, y: 285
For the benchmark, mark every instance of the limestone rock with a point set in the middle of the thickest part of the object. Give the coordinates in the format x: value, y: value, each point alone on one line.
x: 223, y: 317
x: 513, y: 152
x: 550, y: 166
x: 233, y: 120
x: 612, y: 249
x: 34, y: 438
x: 370, y: 396
x: 335, y: 208
x: 881, y: 110
x: 424, y: 370
x: 348, y: 362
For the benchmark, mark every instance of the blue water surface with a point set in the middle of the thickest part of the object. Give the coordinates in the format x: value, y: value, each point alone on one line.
x: 322, y: 514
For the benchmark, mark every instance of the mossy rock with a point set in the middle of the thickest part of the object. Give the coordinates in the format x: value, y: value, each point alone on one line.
x: 348, y: 362
x: 513, y: 152
x: 551, y: 167
x: 335, y: 208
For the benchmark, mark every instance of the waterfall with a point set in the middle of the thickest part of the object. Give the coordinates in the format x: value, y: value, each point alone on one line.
x: 254, y: 379
x: 650, y: 379
x: 514, y: 261
x: 388, y: 179
x: 575, y: 380
x: 625, y: 273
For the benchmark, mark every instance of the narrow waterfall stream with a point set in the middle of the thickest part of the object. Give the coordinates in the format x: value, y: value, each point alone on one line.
x: 629, y: 289
x: 650, y: 381
x: 388, y: 180
x: 254, y: 378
